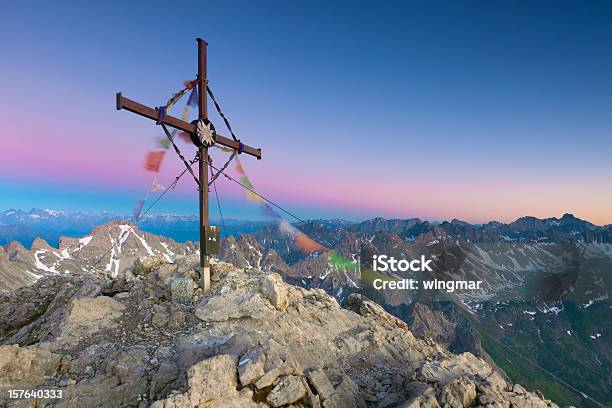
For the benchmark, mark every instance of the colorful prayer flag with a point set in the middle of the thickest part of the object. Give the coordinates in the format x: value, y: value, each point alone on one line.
x: 251, y: 195
x: 185, y: 137
x: 269, y: 211
x: 239, y: 168
x: 156, y: 187
x: 193, y: 98
x: 224, y: 149
x: 339, y: 262
x: 186, y: 113
x: 175, y: 98
x: 190, y: 84
x: 138, y: 209
x: 307, y: 245
x: 163, y: 142
x: 304, y: 243
x: 154, y: 159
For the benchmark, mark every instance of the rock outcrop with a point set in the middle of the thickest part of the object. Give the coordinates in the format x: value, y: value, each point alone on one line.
x: 28, y: 367
x: 250, y: 341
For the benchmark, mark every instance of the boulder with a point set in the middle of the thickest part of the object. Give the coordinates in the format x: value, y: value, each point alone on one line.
x: 165, y: 273
x: 22, y: 367
x: 182, y: 289
x: 163, y: 378
x: 421, y: 395
x: 445, y: 369
x: 346, y: 395
x: 211, y: 383
x: 361, y: 305
x: 275, y: 290
x: 192, y: 349
x: 519, y: 389
x: 128, y: 363
x: 88, y: 316
x: 288, y: 389
x: 177, y: 318
x: 146, y: 264
x: 159, y: 316
x: 268, y: 378
x: 232, y: 306
x: 460, y: 392
x: 321, y: 383
x: 311, y: 399
x: 104, y: 391
x: 251, y: 367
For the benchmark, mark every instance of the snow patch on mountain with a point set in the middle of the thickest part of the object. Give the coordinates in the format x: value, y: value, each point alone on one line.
x: 39, y: 265
x: 85, y: 241
x: 144, y: 243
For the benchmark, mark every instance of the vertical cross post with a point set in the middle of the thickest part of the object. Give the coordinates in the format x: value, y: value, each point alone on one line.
x: 203, y: 165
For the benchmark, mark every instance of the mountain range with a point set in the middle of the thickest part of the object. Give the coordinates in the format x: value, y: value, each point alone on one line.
x: 51, y: 225
x: 542, y: 315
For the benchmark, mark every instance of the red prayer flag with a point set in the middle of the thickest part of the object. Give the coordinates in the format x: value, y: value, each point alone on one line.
x: 190, y: 84
x: 154, y: 159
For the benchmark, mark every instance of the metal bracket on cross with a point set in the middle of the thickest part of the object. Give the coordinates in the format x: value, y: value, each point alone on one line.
x: 205, y: 135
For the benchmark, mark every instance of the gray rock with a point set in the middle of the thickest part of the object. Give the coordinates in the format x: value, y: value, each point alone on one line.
x: 268, y: 378
x: 193, y: 348
x: 346, y: 395
x: 321, y: 383
x: 88, y: 316
x: 165, y: 375
x: 122, y: 295
x: 275, y: 290
x: 159, y: 319
x: 28, y: 367
x: 251, y: 367
x: 177, y: 319
x: 351, y: 356
x: 145, y: 264
x: 129, y: 363
x: 518, y: 389
x: 181, y: 290
x: 165, y: 273
x: 211, y: 383
x: 311, y: 400
x: 458, y: 393
x: 287, y: 390
x: 104, y: 391
x: 232, y: 306
x: 448, y: 368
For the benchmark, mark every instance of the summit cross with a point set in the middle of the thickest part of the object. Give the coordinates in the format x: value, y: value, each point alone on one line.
x: 202, y: 145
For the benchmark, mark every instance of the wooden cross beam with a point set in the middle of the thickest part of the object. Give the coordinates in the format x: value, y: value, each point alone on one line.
x: 153, y: 113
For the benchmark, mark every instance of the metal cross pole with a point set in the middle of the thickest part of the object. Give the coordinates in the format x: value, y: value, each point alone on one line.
x: 192, y: 129
x: 203, y: 163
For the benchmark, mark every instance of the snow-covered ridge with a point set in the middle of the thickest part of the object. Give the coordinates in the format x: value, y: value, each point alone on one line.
x: 109, y: 248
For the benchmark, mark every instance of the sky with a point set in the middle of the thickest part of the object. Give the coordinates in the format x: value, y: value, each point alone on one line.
x: 472, y: 110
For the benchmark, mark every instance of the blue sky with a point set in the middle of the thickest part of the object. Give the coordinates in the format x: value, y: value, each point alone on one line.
x: 473, y: 110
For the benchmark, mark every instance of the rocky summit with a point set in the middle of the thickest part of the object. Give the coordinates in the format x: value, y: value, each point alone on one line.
x: 147, y: 336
